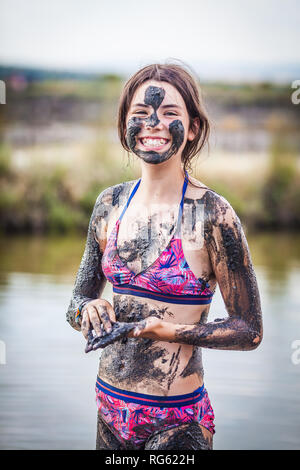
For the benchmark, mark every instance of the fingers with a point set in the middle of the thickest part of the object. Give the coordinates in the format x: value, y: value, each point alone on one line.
x: 95, y: 319
x: 139, y: 328
x: 119, y: 330
x: 104, y: 317
x: 90, y: 335
x: 85, y: 325
x: 89, y: 344
x: 111, y: 313
x: 98, y: 315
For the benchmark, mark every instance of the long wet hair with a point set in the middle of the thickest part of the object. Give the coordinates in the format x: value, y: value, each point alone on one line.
x: 183, y: 81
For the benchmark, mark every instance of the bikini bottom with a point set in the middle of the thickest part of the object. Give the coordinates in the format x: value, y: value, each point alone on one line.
x: 134, y: 418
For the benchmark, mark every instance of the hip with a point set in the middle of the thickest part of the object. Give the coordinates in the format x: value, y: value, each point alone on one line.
x: 136, y: 417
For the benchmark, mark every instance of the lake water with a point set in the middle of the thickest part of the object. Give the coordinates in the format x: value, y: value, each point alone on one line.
x: 47, y: 383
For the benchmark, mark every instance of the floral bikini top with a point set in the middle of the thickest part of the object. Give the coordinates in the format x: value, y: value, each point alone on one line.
x: 168, y: 279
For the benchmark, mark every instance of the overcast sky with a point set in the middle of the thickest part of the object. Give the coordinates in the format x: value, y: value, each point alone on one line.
x: 216, y: 35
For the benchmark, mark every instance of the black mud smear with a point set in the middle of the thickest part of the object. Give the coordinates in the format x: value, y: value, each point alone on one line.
x: 105, y: 439
x: 176, y: 130
x: 117, y: 190
x: 154, y: 96
x: 150, y: 239
x: 138, y: 351
x: 132, y: 360
x: 131, y: 310
x: 232, y: 333
x: 134, y: 127
x: 118, y: 331
x: 233, y: 249
x: 231, y: 262
x: 183, y: 437
x: 194, y: 365
x: 138, y: 247
x: 173, y: 367
x: 90, y: 280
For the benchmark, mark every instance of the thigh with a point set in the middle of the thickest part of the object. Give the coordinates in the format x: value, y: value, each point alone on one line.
x: 106, y: 440
x: 189, y: 436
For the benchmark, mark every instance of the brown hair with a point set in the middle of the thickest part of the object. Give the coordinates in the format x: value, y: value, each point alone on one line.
x: 183, y: 81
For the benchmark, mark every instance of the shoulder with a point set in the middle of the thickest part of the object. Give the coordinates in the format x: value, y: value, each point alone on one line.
x: 217, y: 209
x: 112, y: 197
x: 107, y: 202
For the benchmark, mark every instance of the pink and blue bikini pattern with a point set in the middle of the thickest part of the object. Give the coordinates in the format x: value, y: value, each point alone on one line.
x: 134, y: 417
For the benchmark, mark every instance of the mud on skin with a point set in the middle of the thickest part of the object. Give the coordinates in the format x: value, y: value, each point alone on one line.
x: 106, y: 440
x: 154, y: 97
x: 229, y: 253
x: 148, y: 238
x: 184, y: 437
x: 90, y: 281
x: 118, y: 359
x: 129, y: 361
x: 119, y: 330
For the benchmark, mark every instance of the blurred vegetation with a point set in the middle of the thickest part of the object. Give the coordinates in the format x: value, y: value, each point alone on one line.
x: 281, y: 193
x: 56, y: 198
x: 246, y: 94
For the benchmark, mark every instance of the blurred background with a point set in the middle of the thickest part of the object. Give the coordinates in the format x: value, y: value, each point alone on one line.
x: 62, y: 66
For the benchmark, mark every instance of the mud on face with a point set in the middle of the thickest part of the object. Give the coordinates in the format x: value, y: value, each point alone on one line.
x: 154, y: 97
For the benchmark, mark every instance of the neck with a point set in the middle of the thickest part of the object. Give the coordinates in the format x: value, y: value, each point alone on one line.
x: 161, y: 183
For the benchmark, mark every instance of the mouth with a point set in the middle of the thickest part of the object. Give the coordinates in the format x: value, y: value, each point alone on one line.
x: 153, y: 143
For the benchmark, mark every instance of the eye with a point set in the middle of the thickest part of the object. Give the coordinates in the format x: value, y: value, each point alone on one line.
x: 140, y: 112
x: 170, y: 113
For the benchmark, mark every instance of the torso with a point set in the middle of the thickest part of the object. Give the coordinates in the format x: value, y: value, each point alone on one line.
x: 143, y: 365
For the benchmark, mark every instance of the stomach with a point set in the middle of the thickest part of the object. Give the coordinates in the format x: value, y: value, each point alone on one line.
x: 152, y: 367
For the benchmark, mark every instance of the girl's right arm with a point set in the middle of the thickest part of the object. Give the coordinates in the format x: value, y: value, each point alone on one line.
x: 86, y: 308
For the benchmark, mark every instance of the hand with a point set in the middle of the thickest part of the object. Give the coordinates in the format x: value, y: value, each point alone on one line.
x: 96, y: 315
x: 148, y: 328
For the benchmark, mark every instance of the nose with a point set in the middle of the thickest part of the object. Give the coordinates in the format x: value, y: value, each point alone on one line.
x: 152, y: 121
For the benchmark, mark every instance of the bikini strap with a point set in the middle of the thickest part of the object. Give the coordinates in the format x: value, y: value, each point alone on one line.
x: 129, y: 199
x: 181, y: 202
x: 186, y: 180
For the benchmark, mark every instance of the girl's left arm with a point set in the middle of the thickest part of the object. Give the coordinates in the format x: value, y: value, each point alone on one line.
x: 231, y: 262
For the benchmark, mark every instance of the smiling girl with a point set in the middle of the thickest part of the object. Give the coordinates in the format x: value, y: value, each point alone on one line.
x: 164, y: 241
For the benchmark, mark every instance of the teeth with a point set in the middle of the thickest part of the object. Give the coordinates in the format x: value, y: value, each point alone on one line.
x: 153, y: 142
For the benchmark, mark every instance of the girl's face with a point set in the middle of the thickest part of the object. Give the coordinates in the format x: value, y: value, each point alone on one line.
x: 157, y: 122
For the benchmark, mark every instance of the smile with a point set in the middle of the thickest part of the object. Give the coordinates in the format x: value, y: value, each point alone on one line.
x: 153, y: 142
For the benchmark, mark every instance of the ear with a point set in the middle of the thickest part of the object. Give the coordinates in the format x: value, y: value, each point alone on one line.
x: 194, y: 128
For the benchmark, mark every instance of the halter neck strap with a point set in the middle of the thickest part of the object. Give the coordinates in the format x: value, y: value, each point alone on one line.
x: 129, y: 199
x: 181, y: 202
x: 186, y: 180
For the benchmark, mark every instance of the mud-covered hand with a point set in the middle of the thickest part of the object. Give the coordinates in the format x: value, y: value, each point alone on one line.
x: 119, y: 331
x: 97, y: 315
x: 152, y: 328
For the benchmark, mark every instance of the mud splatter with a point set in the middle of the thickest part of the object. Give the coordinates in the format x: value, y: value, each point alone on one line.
x: 105, y: 439
x: 118, y: 331
x: 90, y: 280
x: 154, y: 97
x: 173, y: 367
x: 184, y: 437
x: 194, y: 365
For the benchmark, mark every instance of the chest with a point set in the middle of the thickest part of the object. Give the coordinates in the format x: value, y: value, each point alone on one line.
x: 145, y: 233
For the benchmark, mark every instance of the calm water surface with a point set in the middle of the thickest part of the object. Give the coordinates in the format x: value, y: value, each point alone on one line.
x: 47, y: 384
